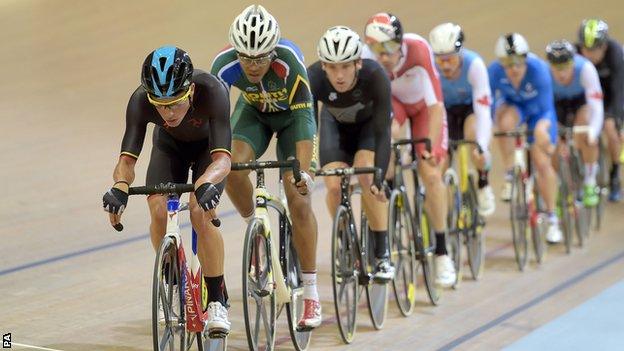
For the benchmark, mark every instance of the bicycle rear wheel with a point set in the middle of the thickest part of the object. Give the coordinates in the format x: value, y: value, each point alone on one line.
x: 519, y: 219
x: 344, y: 275
x: 292, y: 272
x: 425, y: 248
x: 376, y: 293
x: 167, y: 296
x: 402, y: 253
x: 566, y: 203
x: 602, y: 180
x: 475, y: 243
x: 454, y: 224
x: 582, y: 214
x: 259, y: 302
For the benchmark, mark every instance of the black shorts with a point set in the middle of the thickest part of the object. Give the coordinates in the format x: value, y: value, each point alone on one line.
x: 609, y: 113
x: 456, y: 116
x: 340, y: 141
x: 567, y: 109
x: 171, y: 159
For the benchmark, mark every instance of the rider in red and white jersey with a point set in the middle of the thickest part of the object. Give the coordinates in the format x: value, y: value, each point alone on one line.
x: 417, y: 96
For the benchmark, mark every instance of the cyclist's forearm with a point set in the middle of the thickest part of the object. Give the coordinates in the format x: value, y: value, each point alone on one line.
x: 304, y: 151
x: 218, y: 169
x: 124, y: 171
x: 436, y: 116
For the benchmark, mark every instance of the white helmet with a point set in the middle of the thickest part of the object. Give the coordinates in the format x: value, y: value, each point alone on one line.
x: 446, y: 38
x: 254, y: 32
x: 339, y: 44
x: 511, y: 44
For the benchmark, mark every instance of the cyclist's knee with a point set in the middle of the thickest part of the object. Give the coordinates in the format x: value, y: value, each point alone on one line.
x: 300, y: 209
x: 431, y: 176
x: 506, y: 118
x: 158, y: 208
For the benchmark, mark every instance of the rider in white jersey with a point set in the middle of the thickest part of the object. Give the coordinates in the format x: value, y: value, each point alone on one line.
x: 467, y: 99
x: 578, y: 101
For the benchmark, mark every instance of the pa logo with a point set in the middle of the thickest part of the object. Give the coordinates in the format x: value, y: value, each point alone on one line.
x: 6, y: 341
x: 333, y: 96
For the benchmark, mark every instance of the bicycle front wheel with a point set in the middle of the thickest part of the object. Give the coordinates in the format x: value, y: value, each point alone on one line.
x: 475, y: 243
x: 455, y: 224
x: 519, y: 219
x: 344, y: 275
x: 402, y: 253
x: 259, y: 303
x: 168, y: 319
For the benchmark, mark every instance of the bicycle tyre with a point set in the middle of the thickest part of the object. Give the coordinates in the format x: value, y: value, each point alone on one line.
x: 163, y: 295
x: 566, y: 203
x: 344, y: 275
x: 402, y: 252
x: 475, y: 242
x: 292, y: 273
x: 455, y: 233
x: 258, y: 288
x: 518, y: 213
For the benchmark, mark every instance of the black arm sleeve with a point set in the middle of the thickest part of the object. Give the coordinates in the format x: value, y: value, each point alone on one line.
x: 315, y: 87
x: 382, y: 112
x: 136, y: 126
x: 220, y: 129
x: 616, y: 102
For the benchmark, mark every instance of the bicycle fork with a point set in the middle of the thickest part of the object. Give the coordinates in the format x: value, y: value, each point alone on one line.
x: 281, y: 290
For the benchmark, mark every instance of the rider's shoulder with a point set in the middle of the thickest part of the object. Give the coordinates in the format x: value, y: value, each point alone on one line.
x: 288, y: 50
x: 224, y: 57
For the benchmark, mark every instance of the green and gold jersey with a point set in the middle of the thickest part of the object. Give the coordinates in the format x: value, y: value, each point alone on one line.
x: 284, y: 87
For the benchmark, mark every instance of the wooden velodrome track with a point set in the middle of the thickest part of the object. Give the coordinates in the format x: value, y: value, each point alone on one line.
x: 68, y: 281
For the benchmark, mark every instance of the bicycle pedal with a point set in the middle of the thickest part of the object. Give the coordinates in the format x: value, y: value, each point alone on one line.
x: 218, y: 334
x: 304, y: 328
x: 364, y: 279
x: 263, y: 293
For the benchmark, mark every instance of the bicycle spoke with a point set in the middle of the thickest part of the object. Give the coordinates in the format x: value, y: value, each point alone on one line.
x: 257, y: 319
x: 167, y: 339
x: 265, y: 320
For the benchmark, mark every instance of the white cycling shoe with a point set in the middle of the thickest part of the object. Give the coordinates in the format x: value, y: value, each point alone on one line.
x: 487, y: 202
x: 554, y: 234
x: 217, y: 322
x: 445, y: 271
x: 506, y: 193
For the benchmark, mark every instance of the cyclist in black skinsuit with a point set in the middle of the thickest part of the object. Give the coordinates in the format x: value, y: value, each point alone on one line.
x: 606, y: 54
x: 190, y: 109
x: 354, y: 126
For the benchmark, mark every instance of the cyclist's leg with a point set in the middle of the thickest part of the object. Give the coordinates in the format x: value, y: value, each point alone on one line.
x: 376, y: 211
x: 487, y: 202
x: 542, y: 150
x: 295, y: 137
x: 589, y: 152
x: 508, y: 117
x: 430, y: 172
x: 337, y: 147
x: 250, y: 139
x: 614, y: 144
x: 210, y: 247
x: 167, y: 164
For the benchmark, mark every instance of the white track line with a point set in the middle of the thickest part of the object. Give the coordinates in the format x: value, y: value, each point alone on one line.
x: 34, y: 347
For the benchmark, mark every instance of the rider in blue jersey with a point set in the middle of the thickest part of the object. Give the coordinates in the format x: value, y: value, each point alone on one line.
x: 467, y: 99
x: 578, y: 101
x: 523, y: 93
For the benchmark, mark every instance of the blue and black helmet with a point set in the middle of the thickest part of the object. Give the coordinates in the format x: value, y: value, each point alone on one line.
x: 166, y: 72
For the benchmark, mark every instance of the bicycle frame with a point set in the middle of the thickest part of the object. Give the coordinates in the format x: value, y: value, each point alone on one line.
x: 192, y: 279
x: 263, y: 199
